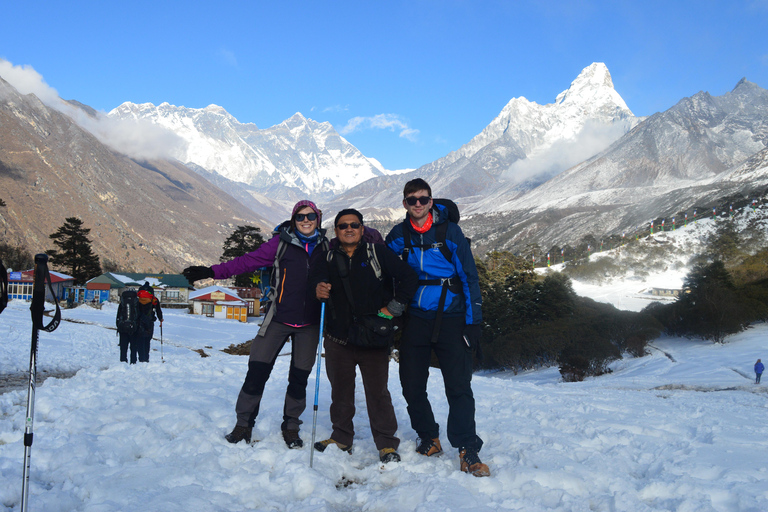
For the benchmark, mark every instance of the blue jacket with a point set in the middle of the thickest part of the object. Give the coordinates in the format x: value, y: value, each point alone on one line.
x: 430, y: 264
x: 759, y: 367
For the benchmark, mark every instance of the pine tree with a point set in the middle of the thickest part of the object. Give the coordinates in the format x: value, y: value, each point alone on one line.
x: 243, y: 240
x: 75, y: 255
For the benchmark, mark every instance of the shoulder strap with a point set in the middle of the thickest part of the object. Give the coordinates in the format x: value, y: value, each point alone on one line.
x: 373, y: 260
x: 440, y: 236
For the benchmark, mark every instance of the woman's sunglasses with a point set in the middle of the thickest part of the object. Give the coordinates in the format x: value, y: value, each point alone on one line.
x: 353, y: 225
x: 309, y: 216
x: 411, y: 200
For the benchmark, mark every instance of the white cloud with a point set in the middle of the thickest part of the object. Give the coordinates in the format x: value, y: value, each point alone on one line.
x: 336, y: 108
x: 390, y: 122
x: 136, y: 139
x: 28, y: 81
x: 562, y: 155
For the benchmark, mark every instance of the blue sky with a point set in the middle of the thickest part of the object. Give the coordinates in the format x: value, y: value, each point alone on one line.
x: 404, y: 81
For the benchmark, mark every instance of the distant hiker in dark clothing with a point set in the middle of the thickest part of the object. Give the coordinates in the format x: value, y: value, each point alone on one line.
x: 452, y: 331
x: 357, y: 277
x: 294, y: 313
x: 138, y: 337
x: 149, y: 311
x: 759, y: 368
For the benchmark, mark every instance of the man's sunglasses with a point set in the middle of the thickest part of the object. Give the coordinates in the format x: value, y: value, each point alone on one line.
x: 411, y: 200
x: 309, y: 216
x: 353, y: 225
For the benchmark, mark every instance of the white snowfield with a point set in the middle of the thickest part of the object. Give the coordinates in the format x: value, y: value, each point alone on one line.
x: 683, y: 429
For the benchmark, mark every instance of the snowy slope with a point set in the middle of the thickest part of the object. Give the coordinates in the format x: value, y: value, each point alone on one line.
x: 681, y: 429
x: 298, y: 153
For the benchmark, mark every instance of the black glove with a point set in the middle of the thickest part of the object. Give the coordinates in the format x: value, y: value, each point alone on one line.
x: 196, y: 273
x: 472, y: 333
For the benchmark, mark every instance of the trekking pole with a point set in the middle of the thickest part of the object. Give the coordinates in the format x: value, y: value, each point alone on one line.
x: 37, y: 309
x: 317, y: 382
x: 161, y: 343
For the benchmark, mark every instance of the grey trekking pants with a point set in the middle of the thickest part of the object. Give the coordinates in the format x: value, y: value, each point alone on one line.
x: 264, y: 351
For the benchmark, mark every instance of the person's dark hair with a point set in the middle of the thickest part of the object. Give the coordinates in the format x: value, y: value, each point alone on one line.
x: 415, y: 185
x: 348, y: 211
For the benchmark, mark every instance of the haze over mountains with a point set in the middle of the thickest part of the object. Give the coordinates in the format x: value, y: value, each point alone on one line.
x: 537, y: 174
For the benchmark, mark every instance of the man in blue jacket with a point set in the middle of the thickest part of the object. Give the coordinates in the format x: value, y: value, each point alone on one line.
x: 445, y: 315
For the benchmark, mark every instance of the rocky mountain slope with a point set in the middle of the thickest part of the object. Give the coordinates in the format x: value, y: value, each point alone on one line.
x: 150, y: 215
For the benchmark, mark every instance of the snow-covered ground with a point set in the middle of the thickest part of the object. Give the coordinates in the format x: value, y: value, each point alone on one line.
x: 682, y: 429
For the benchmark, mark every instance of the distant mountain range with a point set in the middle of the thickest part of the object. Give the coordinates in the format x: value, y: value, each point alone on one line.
x: 537, y: 174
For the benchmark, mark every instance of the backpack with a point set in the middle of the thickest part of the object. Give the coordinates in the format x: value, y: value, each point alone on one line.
x: 128, y: 313
x: 3, y: 287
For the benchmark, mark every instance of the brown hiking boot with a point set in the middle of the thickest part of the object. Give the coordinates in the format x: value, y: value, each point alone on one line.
x: 292, y: 439
x: 470, y: 462
x: 322, y: 445
x: 389, y: 455
x: 430, y: 447
x: 239, y: 433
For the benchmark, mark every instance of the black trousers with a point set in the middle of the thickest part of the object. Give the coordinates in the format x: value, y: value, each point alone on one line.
x: 455, y: 359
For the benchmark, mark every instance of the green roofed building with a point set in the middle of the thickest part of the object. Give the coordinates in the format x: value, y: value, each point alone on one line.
x: 170, y: 289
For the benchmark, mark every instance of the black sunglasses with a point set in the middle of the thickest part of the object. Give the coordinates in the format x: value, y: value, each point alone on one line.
x: 353, y: 225
x: 310, y: 216
x: 411, y: 200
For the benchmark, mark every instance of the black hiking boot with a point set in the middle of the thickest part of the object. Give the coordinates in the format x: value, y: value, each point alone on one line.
x: 322, y: 445
x: 470, y: 462
x: 292, y: 439
x: 389, y: 455
x: 239, y: 433
x: 429, y: 447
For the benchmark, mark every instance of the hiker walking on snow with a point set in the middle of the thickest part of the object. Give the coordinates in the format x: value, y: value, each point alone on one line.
x: 147, y: 311
x: 445, y: 317
x: 759, y: 368
x: 360, y: 295
x: 294, y: 313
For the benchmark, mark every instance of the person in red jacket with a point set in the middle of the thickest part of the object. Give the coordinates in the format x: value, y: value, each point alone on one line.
x: 295, y: 313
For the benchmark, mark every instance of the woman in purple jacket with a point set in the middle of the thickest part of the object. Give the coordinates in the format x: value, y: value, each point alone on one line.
x: 295, y: 313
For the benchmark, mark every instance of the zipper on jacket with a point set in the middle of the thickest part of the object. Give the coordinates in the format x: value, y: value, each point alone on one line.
x: 282, y: 285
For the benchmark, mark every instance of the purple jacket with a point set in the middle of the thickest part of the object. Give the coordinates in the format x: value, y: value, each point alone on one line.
x: 294, y: 303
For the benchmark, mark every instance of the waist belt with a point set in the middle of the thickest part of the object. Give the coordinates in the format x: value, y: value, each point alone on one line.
x: 451, y: 283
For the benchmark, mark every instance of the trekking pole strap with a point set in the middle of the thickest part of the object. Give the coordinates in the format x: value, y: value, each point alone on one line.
x: 42, y: 275
x: 3, y: 286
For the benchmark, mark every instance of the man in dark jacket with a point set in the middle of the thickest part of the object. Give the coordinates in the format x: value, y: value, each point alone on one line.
x: 357, y: 292
x: 453, y: 332
x: 149, y: 310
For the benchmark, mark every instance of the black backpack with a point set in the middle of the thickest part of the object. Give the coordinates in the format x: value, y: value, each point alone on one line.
x: 128, y: 313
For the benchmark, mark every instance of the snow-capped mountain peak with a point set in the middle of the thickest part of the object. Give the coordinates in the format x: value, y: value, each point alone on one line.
x: 299, y: 153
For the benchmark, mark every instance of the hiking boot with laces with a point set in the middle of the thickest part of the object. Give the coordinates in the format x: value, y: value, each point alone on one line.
x: 429, y: 447
x: 322, y: 445
x: 239, y: 433
x: 389, y: 455
x: 292, y: 439
x: 470, y: 462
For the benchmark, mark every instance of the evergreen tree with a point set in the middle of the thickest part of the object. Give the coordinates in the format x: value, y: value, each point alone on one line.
x: 17, y: 258
x: 243, y: 240
x: 75, y: 255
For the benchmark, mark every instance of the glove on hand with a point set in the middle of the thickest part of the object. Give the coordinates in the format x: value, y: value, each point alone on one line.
x: 472, y: 333
x: 196, y: 273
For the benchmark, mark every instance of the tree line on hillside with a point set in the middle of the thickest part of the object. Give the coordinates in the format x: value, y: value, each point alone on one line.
x: 533, y: 320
